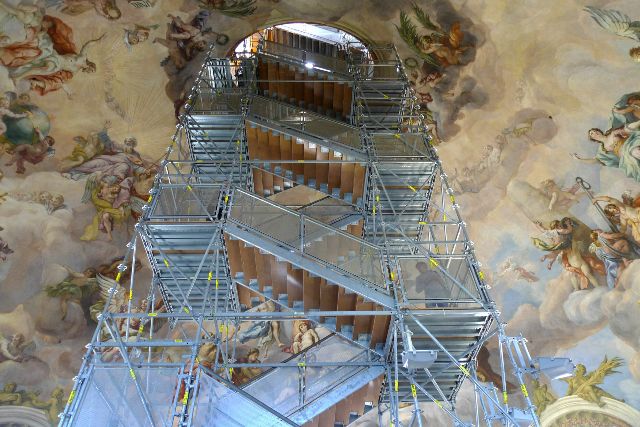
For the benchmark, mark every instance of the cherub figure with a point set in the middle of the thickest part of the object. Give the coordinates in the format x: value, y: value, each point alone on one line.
x: 137, y: 35
x: 53, y: 406
x: 439, y: 47
x: 185, y: 40
x: 34, y: 153
x: 305, y: 338
x: 560, y: 198
x: 586, y: 386
x: 619, y: 24
x: 9, y: 395
x: 6, y: 112
x: 541, y: 396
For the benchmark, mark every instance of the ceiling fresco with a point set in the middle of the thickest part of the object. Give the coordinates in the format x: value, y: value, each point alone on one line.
x: 534, y: 107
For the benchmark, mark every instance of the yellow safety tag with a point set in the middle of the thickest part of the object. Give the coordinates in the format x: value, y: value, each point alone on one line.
x: 186, y: 397
x: 374, y: 209
x: 393, y: 276
x: 396, y: 385
x: 130, y: 294
x: 186, y: 310
x: 133, y: 374
x: 141, y: 328
x: 397, y: 135
x: 422, y: 222
x: 377, y: 198
x: 118, y: 277
x: 231, y: 371
x: 153, y: 314
x: 150, y: 198
x: 222, y: 328
x: 437, y: 402
x: 453, y: 199
x: 413, y: 189
x: 444, y: 216
x: 178, y: 340
x: 413, y: 390
x: 481, y: 275
x: 71, y: 396
x: 210, y: 276
x: 301, y: 364
x: 216, y: 283
x: 238, y: 142
x: 385, y: 96
x: 433, y: 262
x: 189, y: 188
x: 166, y: 262
x: 197, y: 359
x: 505, y: 397
x: 226, y: 199
x: 524, y: 390
x: 464, y: 371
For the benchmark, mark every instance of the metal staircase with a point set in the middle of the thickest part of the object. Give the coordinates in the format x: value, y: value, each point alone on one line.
x: 301, y: 198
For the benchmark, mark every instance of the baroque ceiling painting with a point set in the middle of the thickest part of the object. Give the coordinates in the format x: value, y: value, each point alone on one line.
x: 534, y: 108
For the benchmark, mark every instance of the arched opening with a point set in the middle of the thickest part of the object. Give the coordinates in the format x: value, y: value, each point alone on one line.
x: 312, y: 37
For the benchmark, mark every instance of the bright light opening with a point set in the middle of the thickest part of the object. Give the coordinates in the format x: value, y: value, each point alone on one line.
x: 308, y: 65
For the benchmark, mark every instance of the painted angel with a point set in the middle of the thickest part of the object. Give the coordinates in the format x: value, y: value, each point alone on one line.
x: 560, y: 198
x: 619, y: 24
x: 586, y: 386
x: 439, y: 47
x: 16, y: 348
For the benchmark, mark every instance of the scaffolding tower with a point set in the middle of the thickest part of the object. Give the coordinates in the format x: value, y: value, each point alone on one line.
x: 300, y: 193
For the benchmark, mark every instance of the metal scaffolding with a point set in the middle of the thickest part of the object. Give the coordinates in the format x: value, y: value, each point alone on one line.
x: 229, y: 260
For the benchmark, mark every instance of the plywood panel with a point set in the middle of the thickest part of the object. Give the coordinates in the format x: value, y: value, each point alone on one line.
x: 311, y: 291
x: 328, y: 417
x: 309, y: 169
x: 359, y: 172
x: 294, y: 284
x: 346, y: 302
x: 297, y: 153
x: 346, y: 178
x: 362, y: 324
x: 346, y: 101
x: 338, y: 95
x: 278, y: 277
x: 322, y: 169
x: 379, y: 330
x: 334, y: 172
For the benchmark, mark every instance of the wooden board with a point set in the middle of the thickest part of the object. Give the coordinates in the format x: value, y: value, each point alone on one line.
x: 346, y: 101
x: 309, y: 169
x: 298, y: 89
x: 294, y: 284
x: 322, y: 169
x: 334, y: 172
x: 311, y: 291
x: 327, y: 99
x: 308, y: 90
x: 278, y: 277
x: 362, y: 324
x: 297, y: 153
x: 359, y: 172
x: 346, y: 302
x: 346, y: 178
x: 328, y: 417
x: 318, y: 94
x: 338, y: 94
x: 379, y: 330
